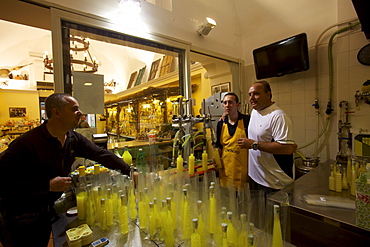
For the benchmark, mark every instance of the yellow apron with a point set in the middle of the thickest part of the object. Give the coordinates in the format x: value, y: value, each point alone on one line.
x: 235, y: 159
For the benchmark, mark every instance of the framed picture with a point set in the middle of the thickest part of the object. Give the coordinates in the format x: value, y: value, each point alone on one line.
x: 140, y: 76
x: 166, y: 65
x: 17, y: 111
x: 220, y: 88
x: 132, y: 79
x: 154, y: 69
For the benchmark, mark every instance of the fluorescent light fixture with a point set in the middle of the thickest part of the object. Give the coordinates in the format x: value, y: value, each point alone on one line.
x: 88, y: 84
x: 207, y: 26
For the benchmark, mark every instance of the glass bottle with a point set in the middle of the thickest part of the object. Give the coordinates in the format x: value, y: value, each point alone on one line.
x: 232, y: 234
x: 205, y: 160
x: 186, y: 222
x: 170, y: 238
x: 123, y: 215
x: 277, y: 238
x: 243, y: 236
x: 195, y: 238
x: 141, y: 161
x: 143, y: 212
x: 81, y: 200
x: 191, y: 164
x: 116, y: 152
x: 224, y: 235
x: 212, y: 210
x: 90, y: 207
x: 201, y: 227
x: 109, y: 208
x: 152, y: 221
x: 103, y: 215
x: 127, y: 157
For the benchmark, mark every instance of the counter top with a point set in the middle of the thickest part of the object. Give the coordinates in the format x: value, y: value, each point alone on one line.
x: 136, y: 143
x: 317, y: 182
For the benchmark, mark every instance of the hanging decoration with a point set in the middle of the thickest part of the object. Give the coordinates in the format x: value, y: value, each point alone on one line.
x: 80, y: 57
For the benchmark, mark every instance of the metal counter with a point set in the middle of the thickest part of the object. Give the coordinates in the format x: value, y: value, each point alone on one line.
x: 324, y: 225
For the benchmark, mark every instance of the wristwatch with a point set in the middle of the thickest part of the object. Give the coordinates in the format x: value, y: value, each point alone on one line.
x: 255, y: 145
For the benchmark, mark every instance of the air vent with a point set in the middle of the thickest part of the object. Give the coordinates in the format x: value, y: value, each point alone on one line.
x: 43, y: 85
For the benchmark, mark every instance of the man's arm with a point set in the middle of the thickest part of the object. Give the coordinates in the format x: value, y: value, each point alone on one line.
x: 269, y: 147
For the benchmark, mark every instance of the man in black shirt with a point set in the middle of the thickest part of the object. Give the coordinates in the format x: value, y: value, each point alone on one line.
x: 35, y: 168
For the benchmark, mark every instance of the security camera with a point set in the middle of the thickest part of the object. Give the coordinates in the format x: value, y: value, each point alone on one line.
x: 207, y: 26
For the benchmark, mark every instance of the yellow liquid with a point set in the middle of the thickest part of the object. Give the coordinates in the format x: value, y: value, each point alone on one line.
x: 205, y: 161
x: 186, y: 222
x: 277, y: 238
x: 103, y: 222
x: 191, y: 164
x: 123, y: 220
x: 169, y: 228
x: 81, y: 199
x: 195, y: 240
x: 180, y: 164
x: 143, y: 213
x: 90, y: 213
x: 132, y: 205
x: 127, y: 157
x: 110, y: 217
x: 212, y: 215
x: 231, y: 235
x: 152, y: 224
x: 174, y: 214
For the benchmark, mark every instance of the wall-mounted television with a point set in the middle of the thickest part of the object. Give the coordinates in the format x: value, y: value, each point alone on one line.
x: 286, y: 56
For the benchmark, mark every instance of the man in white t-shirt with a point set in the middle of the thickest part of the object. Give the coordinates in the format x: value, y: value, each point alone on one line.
x: 270, y: 141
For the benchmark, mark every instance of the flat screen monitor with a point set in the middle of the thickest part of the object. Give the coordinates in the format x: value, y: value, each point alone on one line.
x: 283, y: 57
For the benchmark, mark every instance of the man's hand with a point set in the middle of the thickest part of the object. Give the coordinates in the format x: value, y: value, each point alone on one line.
x: 60, y: 184
x: 222, y: 118
x: 245, y: 143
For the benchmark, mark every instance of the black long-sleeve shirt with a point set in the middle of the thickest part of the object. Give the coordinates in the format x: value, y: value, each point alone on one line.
x: 34, y: 158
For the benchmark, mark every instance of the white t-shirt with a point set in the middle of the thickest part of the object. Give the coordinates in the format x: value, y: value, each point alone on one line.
x: 266, y: 125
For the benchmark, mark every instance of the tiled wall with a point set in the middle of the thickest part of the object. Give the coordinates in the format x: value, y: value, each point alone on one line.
x: 296, y: 93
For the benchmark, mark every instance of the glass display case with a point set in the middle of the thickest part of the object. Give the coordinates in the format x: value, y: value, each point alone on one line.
x: 134, y: 116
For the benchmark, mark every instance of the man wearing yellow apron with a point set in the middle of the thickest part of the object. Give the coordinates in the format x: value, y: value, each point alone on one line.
x: 229, y: 130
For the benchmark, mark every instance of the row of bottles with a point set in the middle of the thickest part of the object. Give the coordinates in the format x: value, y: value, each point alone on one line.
x: 170, y: 207
x: 343, y: 177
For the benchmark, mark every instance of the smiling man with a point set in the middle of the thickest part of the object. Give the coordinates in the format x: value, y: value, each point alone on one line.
x: 233, y: 126
x: 35, y: 168
x: 271, y: 142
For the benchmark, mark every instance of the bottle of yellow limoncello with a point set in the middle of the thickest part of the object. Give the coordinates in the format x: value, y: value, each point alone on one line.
x: 143, y: 212
x: 170, y: 235
x: 212, y: 210
x: 185, y: 219
x: 195, y: 239
x: 205, y: 160
x: 123, y: 215
x: 277, y: 238
x: 201, y: 226
x: 232, y: 235
x: 103, y: 215
x: 109, y: 206
x: 243, y: 236
x: 127, y: 157
x: 81, y: 199
x: 224, y: 235
x: 152, y: 221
